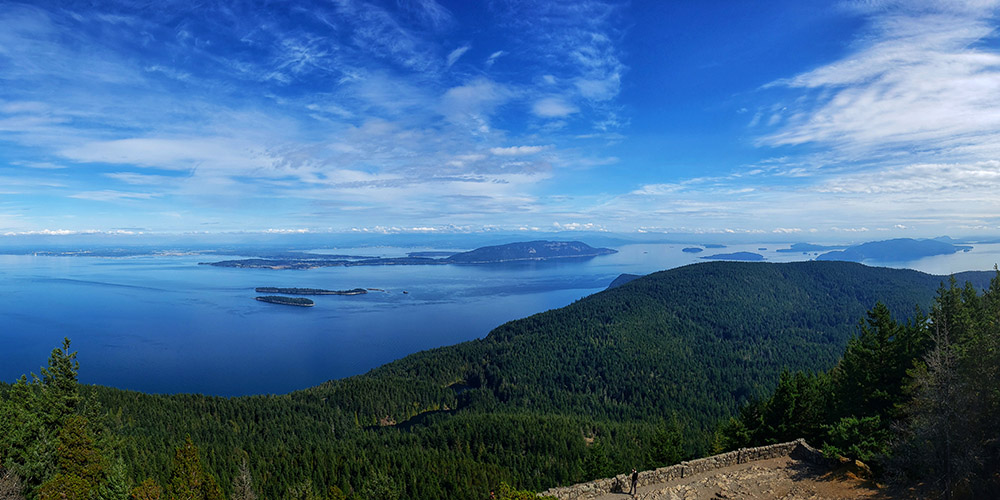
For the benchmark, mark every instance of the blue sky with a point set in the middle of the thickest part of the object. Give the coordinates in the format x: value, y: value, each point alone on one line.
x: 852, y: 119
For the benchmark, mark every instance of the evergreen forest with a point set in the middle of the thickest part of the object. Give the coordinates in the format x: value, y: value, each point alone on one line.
x: 671, y: 366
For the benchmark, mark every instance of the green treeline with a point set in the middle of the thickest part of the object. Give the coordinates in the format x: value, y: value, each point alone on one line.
x: 637, y: 376
x: 919, y: 401
x: 55, y: 444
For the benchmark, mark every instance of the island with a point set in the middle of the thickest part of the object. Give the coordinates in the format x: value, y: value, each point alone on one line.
x: 309, y: 291
x: 286, y: 301
x: 808, y: 247
x: 692, y: 250
x: 897, y: 250
x: 528, y: 251
x: 314, y: 263
x: 497, y: 254
x: 741, y: 256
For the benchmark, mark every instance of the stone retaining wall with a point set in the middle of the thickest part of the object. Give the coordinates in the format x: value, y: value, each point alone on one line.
x: 797, y: 449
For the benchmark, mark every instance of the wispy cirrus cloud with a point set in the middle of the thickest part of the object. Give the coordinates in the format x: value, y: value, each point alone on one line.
x: 518, y: 150
x: 112, y: 195
x: 221, y: 105
x: 454, y: 55
x: 898, y: 134
x: 373, y: 113
x: 492, y: 59
x: 924, y: 78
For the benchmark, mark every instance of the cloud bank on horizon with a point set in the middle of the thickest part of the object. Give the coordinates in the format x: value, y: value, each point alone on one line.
x: 841, y: 117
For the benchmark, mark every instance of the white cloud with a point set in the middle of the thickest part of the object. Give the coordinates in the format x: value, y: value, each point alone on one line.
x: 69, y: 232
x: 141, y: 179
x: 112, y: 195
x: 553, y: 107
x: 493, y: 58
x: 599, y: 90
x: 923, y: 78
x: 657, y: 189
x: 474, y: 100
x: 42, y: 165
x: 376, y: 31
x: 930, y: 179
x: 519, y: 150
x: 325, y: 111
x: 457, y: 53
x: 174, y: 154
x: 578, y: 226
x: 428, y: 11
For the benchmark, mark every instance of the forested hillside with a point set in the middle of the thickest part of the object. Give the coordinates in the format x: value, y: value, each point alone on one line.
x: 636, y: 376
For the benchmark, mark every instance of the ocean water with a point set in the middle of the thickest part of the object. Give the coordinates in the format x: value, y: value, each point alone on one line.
x: 165, y: 324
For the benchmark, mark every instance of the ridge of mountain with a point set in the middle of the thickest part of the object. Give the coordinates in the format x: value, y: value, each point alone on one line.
x: 668, y: 328
x: 526, y: 403
x: 624, y: 278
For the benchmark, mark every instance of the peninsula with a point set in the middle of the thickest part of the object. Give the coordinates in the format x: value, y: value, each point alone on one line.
x: 897, y: 250
x: 497, y: 254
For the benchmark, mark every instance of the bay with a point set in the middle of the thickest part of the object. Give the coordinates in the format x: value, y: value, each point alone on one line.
x: 165, y: 324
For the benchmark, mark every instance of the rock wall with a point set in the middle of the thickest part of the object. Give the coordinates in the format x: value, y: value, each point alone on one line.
x: 619, y: 484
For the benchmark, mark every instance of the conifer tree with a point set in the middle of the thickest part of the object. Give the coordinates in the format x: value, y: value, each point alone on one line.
x: 118, y: 485
x: 938, y: 445
x: 10, y: 485
x: 65, y: 487
x: 76, y: 453
x: 870, y: 377
x: 379, y: 486
x: 149, y: 489
x: 81, y: 469
x: 189, y: 480
x: 31, y: 418
x: 59, y: 385
x: 243, y: 483
x: 667, y: 446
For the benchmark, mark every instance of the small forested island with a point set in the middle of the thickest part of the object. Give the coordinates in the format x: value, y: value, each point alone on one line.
x: 286, y: 301
x: 740, y: 256
x: 531, y: 250
x: 693, y: 250
x: 808, y: 247
x: 497, y: 254
x: 309, y: 291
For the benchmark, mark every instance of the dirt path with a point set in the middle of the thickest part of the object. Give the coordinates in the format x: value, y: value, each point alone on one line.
x: 777, y: 478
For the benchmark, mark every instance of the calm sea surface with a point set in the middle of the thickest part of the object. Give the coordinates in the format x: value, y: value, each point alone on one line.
x: 166, y: 324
